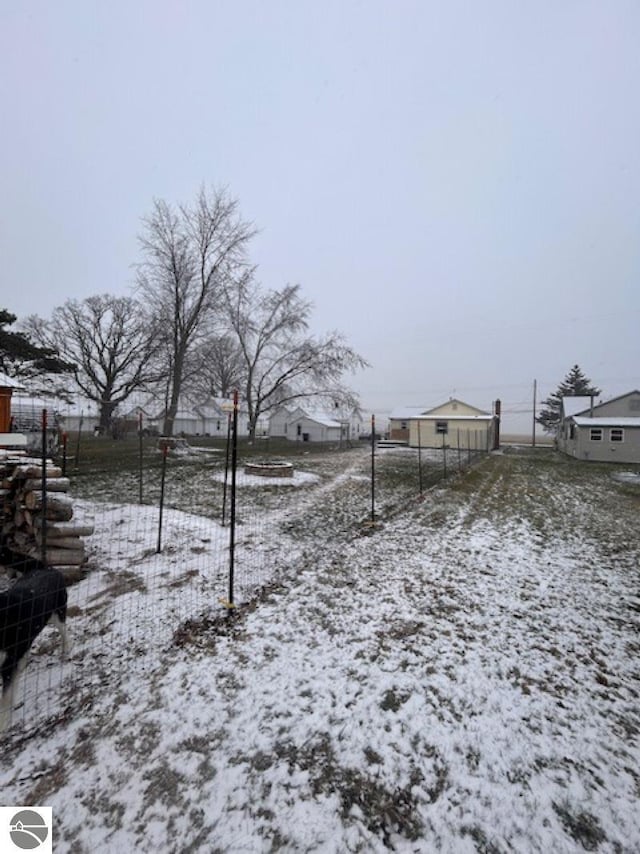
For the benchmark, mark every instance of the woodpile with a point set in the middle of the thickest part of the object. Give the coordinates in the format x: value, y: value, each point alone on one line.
x: 24, y: 524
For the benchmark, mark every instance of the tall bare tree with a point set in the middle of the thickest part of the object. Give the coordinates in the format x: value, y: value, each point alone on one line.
x: 189, y: 251
x: 283, y: 364
x: 111, y: 344
x: 218, y: 367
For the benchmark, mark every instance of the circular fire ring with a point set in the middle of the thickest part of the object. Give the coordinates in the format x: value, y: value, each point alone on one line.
x: 269, y: 469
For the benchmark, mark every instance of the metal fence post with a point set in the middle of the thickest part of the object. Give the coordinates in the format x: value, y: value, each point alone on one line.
x: 373, y: 469
x: 444, y: 457
x: 165, y: 450
x: 140, y: 451
x: 44, y: 487
x: 226, y: 467
x: 419, y: 460
x: 232, y: 533
x: 80, y: 422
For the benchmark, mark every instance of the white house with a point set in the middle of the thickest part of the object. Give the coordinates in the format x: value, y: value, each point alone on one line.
x: 308, y: 425
x: 454, y: 424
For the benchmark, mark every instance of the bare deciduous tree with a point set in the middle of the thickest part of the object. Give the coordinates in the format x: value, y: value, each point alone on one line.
x: 110, y: 343
x: 189, y: 251
x: 282, y: 362
x: 218, y: 367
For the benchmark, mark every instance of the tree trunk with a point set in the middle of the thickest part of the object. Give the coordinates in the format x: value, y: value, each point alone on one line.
x: 106, y: 414
x: 176, y: 386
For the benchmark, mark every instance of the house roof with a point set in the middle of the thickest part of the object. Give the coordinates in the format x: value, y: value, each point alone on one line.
x: 318, y: 417
x: 453, y: 402
x: 618, y: 397
x: 405, y: 413
x: 607, y: 421
x: 574, y: 404
x: 443, y: 416
x: 8, y: 382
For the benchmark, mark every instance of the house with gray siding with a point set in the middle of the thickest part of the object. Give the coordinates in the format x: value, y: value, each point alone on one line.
x: 604, y: 432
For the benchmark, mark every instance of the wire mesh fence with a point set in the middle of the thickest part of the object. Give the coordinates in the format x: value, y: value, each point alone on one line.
x: 163, y: 542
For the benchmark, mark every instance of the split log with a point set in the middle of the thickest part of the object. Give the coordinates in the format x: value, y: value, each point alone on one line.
x: 59, y: 507
x: 26, y: 539
x: 33, y: 501
x: 59, y: 557
x: 60, y: 542
x: 21, y: 500
x: 19, y: 517
x: 54, y: 484
x: 64, y: 529
x: 35, y: 470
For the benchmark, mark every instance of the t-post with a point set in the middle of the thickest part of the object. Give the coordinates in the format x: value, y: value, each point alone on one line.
x: 140, y: 452
x: 44, y: 487
x: 373, y: 469
x: 232, y: 526
x: 165, y: 451
x: 226, y: 462
x: 420, y: 460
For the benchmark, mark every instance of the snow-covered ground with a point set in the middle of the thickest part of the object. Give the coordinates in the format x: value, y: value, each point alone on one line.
x: 461, y: 677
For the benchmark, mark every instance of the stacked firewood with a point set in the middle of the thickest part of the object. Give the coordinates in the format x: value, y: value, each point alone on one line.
x: 26, y: 528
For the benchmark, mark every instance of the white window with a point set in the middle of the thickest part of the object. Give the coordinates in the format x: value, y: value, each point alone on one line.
x: 442, y: 427
x: 595, y: 434
x: 616, y: 434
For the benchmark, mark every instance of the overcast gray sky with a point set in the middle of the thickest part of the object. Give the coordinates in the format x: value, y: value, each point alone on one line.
x: 455, y: 186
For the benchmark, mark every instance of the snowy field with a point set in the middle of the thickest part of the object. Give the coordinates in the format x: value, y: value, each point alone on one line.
x: 463, y: 677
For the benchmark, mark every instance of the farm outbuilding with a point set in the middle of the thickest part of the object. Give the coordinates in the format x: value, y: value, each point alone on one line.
x: 315, y: 427
x: 454, y: 424
x: 26, y: 418
x: 306, y: 425
x: 604, y: 432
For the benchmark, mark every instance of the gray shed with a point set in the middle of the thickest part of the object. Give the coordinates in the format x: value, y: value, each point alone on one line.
x: 608, y: 432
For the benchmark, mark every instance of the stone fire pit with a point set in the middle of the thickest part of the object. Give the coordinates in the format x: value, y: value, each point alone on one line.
x: 269, y: 468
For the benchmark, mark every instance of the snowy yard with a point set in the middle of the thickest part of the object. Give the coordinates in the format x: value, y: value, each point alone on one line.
x: 462, y: 678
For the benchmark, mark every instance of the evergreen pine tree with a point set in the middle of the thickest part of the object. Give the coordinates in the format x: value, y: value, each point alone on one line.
x: 575, y: 384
